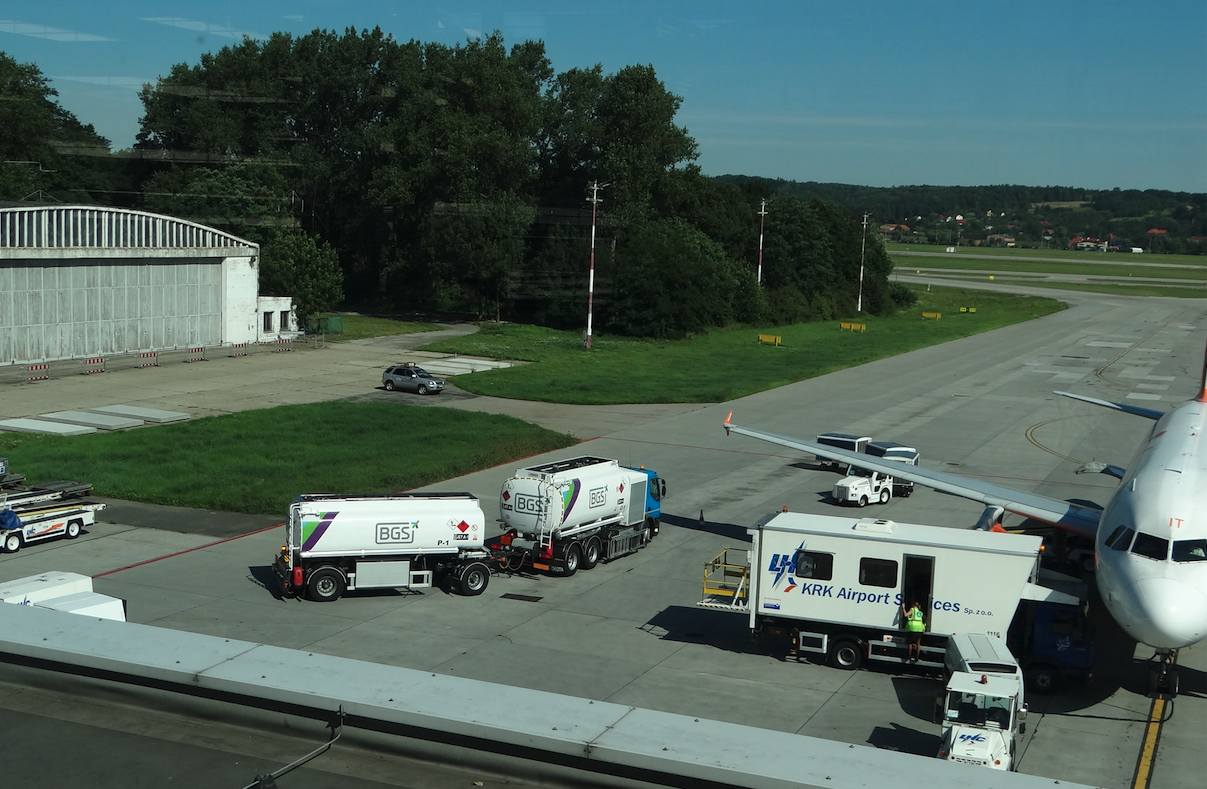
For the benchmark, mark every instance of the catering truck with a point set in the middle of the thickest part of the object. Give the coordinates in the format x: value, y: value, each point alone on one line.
x: 835, y: 586
x: 983, y: 720
x: 335, y: 544
x: 574, y: 513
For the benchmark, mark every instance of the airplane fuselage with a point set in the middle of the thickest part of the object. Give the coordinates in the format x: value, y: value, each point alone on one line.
x: 1151, y: 544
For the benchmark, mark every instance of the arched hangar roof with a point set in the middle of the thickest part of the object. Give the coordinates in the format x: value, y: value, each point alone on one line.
x: 99, y: 231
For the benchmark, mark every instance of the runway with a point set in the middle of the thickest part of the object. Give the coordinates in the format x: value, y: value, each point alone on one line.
x: 629, y: 631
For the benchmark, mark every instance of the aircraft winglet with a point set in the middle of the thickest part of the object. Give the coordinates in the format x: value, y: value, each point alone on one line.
x: 726, y: 423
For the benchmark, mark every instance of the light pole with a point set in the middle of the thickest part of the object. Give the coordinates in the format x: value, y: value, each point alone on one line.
x: 762, y: 215
x: 595, y: 200
x: 862, y: 247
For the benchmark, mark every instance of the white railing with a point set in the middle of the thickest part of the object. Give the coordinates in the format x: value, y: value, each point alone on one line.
x: 95, y: 227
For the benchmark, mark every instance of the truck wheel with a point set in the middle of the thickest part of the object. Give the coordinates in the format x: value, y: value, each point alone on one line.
x: 574, y: 555
x: 474, y: 579
x: 12, y: 542
x: 325, y: 584
x: 651, y: 530
x: 73, y: 528
x: 863, y: 501
x: 846, y: 654
x: 591, y: 553
x: 1044, y: 679
x: 884, y: 495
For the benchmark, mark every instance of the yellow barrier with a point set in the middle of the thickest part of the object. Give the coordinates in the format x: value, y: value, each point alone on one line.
x: 967, y: 309
x: 769, y: 339
x: 932, y: 315
x: 859, y: 327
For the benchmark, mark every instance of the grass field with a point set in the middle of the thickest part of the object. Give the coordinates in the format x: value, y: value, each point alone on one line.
x: 361, y: 327
x: 722, y: 364
x: 1069, y: 254
x: 1025, y: 266
x: 257, y: 461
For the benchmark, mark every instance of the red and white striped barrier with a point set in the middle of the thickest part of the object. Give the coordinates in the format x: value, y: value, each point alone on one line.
x: 283, y: 344
x: 148, y: 359
x: 196, y: 355
x: 37, y: 372
x: 94, y: 364
x: 239, y: 349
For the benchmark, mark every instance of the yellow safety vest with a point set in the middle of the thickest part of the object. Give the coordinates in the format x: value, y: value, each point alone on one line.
x: 915, y: 623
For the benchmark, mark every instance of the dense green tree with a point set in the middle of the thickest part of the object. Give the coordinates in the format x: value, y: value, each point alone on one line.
x: 294, y: 264
x: 686, y: 282
x: 43, y: 147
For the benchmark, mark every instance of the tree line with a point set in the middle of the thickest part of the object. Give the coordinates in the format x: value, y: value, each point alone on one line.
x: 1037, y: 215
x: 419, y: 177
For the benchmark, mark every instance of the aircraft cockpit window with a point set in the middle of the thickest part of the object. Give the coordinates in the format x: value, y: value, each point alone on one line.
x: 1120, y: 539
x: 1190, y: 550
x: 1152, y: 547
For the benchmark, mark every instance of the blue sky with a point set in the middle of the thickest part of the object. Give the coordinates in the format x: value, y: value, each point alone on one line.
x: 1072, y: 92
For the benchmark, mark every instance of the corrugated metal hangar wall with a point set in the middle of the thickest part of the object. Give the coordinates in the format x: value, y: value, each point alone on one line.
x: 81, y: 281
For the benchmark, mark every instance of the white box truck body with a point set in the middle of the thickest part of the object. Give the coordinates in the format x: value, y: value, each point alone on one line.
x: 847, y: 441
x: 577, y: 512
x: 335, y: 544
x: 836, y: 585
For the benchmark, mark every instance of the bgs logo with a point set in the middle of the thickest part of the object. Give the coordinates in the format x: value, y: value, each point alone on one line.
x: 530, y: 505
x: 598, y: 497
x: 396, y: 533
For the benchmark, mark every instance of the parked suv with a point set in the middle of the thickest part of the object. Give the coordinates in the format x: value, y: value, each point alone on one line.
x: 410, y: 378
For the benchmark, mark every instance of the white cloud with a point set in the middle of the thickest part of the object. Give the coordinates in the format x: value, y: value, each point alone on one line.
x: 202, y: 27
x: 47, y: 32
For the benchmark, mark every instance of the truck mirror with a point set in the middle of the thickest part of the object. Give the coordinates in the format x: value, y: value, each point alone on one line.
x: 662, y: 486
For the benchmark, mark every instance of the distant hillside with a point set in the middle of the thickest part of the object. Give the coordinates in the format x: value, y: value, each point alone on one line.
x: 1026, y: 215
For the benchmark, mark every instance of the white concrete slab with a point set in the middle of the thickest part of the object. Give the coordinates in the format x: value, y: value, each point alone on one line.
x: 1109, y: 344
x: 1142, y: 396
x: 461, y: 366
x: 99, y: 421
x: 42, y: 426
x: 138, y: 412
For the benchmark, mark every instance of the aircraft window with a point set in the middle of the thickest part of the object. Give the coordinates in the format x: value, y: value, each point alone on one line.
x: 1120, y: 539
x: 1152, y: 547
x: 878, y: 572
x: 814, y: 565
x: 1190, y: 550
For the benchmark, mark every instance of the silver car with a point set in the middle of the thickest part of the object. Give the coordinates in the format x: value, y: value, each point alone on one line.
x: 409, y: 378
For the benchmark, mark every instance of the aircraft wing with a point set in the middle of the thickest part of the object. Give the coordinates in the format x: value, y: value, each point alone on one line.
x: 1147, y: 413
x: 1083, y: 520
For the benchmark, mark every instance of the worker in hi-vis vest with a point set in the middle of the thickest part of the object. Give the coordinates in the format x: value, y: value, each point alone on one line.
x: 915, y: 626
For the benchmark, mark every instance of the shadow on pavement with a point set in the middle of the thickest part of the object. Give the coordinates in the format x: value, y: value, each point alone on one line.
x: 905, y: 740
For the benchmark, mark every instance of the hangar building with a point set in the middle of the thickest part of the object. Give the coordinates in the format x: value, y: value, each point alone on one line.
x: 78, y: 281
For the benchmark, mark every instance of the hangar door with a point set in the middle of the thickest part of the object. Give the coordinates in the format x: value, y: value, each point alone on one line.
x: 63, y: 309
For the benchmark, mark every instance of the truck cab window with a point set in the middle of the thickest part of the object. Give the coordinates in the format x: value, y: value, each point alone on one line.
x: 810, y: 564
x: 1151, y: 547
x: 878, y: 572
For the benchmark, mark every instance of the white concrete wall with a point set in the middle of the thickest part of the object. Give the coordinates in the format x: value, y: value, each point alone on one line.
x: 276, y: 305
x: 240, y: 288
x: 76, y: 307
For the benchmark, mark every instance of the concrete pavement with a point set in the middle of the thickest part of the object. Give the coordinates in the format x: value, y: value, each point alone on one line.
x: 629, y: 631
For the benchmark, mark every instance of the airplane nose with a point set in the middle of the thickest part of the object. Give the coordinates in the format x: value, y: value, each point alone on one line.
x: 1176, y: 612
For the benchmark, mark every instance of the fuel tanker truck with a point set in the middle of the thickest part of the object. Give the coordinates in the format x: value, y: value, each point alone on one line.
x: 574, y: 513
